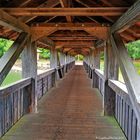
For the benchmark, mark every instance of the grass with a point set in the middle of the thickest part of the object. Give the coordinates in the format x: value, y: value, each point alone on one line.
x: 136, y: 64
x: 11, y: 77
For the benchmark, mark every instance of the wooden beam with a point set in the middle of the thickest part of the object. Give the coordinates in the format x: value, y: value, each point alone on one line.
x: 104, y: 11
x: 7, y: 20
x: 47, y: 4
x: 47, y: 41
x: 67, y: 26
x: 100, y: 43
x: 38, y: 33
x: 100, y: 33
x: 10, y: 57
x: 129, y: 73
x: 74, y: 42
x: 95, y: 30
x: 68, y: 38
x: 74, y: 46
x: 25, y: 3
x: 86, y: 5
x: 128, y: 19
x: 65, y: 4
x: 129, y: 36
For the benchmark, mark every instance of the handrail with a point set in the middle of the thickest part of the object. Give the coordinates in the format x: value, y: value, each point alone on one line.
x: 100, y: 73
x: 117, y: 85
x: 120, y: 89
x: 40, y: 76
x: 14, y: 86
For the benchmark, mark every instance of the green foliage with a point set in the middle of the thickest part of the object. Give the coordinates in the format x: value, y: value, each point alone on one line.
x: 9, y: 78
x: 137, y: 66
x: 4, y: 45
x: 44, y: 53
x: 79, y: 57
x: 102, y: 55
x: 134, y: 49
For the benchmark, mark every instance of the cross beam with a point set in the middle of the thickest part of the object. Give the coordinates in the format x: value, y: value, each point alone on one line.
x: 61, y: 44
x: 96, y: 30
x: 70, y: 38
x: 105, y: 11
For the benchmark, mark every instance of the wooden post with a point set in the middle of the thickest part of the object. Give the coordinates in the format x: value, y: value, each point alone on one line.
x: 96, y: 60
x: 62, y: 58
x: 96, y: 65
x: 54, y: 61
x: 29, y: 69
x: 110, y: 72
x: 54, y: 58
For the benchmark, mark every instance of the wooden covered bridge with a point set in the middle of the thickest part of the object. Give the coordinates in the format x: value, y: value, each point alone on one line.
x: 65, y: 102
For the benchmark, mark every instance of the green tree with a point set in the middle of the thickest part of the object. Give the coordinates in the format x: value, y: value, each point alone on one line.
x: 44, y: 53
x: 79, y: 57
x: 4, y: 45
x: 134, y: 49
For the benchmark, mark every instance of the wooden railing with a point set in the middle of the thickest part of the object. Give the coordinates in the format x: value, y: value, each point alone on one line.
x: 61, y: 70
x: 99, y: 80
x: 45, y: 81
x: 124, y: 113
x: 15, y: 99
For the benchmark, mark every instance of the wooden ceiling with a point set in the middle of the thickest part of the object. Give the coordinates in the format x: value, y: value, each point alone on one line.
x: 73, y: 26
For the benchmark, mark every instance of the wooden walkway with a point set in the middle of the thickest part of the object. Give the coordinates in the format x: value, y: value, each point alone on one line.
x: 71, y: 111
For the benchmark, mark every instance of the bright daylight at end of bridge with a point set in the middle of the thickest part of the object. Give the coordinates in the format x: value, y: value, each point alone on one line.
x: 69, y: 70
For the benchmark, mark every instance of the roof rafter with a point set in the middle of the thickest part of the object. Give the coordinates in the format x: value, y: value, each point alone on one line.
x: 47, y: 4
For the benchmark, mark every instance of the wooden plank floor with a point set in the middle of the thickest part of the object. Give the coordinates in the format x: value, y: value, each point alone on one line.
x: 71, y: 111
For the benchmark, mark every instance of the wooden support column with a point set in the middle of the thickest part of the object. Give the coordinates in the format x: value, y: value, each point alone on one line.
x: 96, y: 65
x: 90, y: 59
x: 62, y: 58
x: 110, y: 72
x: 54, y: 58
x: 29, y: 69
x: 67, y: 62
x: 10, y: 57
x: 96, y: 60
